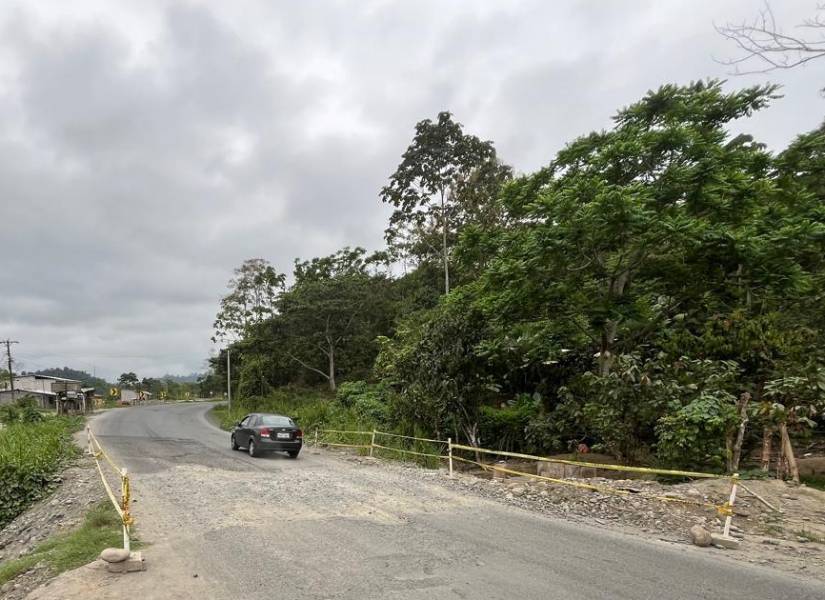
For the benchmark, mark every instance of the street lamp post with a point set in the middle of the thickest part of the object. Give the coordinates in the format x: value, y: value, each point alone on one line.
x: 228, y: 381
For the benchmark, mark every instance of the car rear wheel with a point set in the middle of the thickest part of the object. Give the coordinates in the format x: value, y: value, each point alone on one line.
x: 253, y: 451
x: 234, y: 443
x: 293, y: 453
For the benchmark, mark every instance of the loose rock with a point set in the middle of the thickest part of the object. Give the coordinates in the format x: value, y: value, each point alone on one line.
x: 114, y: 555
x: 700, y: 536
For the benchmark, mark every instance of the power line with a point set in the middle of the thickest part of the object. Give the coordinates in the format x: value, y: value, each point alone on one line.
x: 63, y: 355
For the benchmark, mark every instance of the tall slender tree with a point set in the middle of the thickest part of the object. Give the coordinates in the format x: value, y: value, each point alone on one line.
x: 445, y: 179
x: 252, y: 297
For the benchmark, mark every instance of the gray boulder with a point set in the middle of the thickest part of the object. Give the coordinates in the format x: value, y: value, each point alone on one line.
x: 114, y: 555
x: 700, y: 536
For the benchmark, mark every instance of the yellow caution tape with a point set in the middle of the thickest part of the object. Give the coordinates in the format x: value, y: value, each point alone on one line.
x: 723, y: 509
x: 101, y: 452
x: 409, y: 437
x: 122, y: 506
x: 578, y: 484
x: 322, y: 443
x: 407, y: 451
x: 692, y: 474
x: 588, y: 486
x: 109, y: 490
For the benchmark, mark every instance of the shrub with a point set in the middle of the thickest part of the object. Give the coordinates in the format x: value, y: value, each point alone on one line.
x: 504, y: 428
x: 24, y: 409
x: 367, y: 401
x: 31, y: 454
x: 694, y: 436
x: 9, y: 413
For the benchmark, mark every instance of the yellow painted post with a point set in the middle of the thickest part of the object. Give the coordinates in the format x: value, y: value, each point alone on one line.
x: 450, y: 454
x: 372, y: 442
x: 729, y: 517
x: 124, y: 505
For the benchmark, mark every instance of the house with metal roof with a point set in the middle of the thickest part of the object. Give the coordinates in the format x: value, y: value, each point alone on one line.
x: 49, y: 391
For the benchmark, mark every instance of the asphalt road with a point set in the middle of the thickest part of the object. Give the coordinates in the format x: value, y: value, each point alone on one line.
x: 220, y: 524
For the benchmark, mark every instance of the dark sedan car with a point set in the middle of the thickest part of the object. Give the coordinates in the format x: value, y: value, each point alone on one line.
x: 261, y: 432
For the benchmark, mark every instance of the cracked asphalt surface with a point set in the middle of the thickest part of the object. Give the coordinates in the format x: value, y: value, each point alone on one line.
x: 220, y: 524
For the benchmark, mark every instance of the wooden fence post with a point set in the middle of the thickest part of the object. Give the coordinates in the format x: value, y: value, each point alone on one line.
x: 372, y: 442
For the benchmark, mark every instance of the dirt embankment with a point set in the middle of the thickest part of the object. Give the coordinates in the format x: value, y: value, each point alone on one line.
x: 62, y: 511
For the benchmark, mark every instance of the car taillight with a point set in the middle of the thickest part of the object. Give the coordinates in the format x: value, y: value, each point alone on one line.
x: 299, y: 433
x: 265, y: 431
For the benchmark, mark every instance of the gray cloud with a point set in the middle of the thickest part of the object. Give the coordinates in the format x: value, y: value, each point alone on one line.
x: 147, y: 148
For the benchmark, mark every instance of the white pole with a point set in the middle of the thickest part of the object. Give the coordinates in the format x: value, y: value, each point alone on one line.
x: 729, y: 518
x: 228, y: 381
x: 372, y: 442
x: 126, y: 545
x: 450, y: 454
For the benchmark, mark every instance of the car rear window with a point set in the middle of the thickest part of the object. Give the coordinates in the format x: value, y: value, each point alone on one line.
x: 271, y: 421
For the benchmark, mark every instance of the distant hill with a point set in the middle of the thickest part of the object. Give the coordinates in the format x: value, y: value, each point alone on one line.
x: 191, y: 378
x: 87, y: 379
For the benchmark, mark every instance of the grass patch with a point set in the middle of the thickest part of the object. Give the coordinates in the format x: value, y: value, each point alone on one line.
x: 31, y: 456
x: 100, y: 529
x: 814, y: 481
x: 811, y: 536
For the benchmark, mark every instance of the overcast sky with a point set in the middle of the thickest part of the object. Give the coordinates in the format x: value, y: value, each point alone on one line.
x: 148, y: 148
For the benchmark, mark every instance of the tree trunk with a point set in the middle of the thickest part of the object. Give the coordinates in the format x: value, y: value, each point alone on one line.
x: 444, y: 245
x: 605, y: 352
x: 742, y: 409
x: 615, y: 289
x: 472, y: 436
x: 767, y: 439
x: 331, y: 367
x: 793, y: 470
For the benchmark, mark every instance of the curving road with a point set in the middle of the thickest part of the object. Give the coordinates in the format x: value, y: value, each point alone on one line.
x: 222, y: 525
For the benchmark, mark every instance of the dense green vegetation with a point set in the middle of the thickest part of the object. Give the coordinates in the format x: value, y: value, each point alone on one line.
x: 100, y: 529
x: 32, y: 452
x: 655, y: 292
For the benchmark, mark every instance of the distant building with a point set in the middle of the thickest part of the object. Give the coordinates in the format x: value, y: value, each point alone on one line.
x: 134, y: 396
x: 44, y: 399
x: 50, y: 392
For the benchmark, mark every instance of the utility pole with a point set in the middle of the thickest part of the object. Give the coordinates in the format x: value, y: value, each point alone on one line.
x: 228, y: 381
x: 8, y: 344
